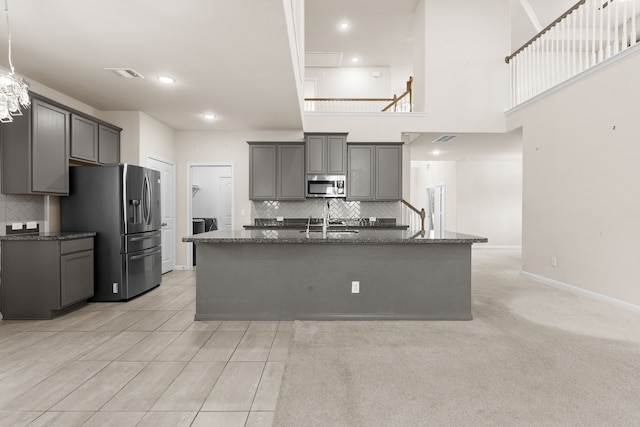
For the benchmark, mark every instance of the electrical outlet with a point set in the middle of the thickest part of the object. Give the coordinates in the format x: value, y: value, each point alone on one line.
x: 355, y: 287
x: 554, y: 261
x: 16, y: 226
x: 32, y: 225
x: 279, y: 218
x: 372, y: 219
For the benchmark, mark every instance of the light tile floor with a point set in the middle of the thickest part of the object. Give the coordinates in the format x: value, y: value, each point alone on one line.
x: 145, y: 362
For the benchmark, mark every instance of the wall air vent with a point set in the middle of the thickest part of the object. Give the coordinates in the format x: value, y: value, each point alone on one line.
x: 127, y: 73
x: 444, y: 138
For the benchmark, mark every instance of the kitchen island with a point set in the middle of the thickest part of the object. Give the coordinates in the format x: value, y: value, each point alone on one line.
x: 292, y: 274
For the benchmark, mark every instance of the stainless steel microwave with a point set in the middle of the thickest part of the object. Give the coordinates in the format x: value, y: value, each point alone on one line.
x: 326, y: 186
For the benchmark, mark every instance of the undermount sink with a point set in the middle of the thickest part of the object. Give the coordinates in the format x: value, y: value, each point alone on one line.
x: 332, y: 232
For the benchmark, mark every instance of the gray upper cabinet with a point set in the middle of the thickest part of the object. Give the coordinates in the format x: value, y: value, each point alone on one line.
x: 84, y: 139
x: 276, y: 171
x: 262, y: 172
x: 375, y: 172
x: 326, y: 154
x: 360, y: 180
x: 290, y: 167
x: 109, y: 145
x: 35, y: 151
x: 94, y: 142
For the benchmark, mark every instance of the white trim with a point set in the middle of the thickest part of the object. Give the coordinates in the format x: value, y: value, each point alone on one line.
x: 575, y: 78
x: 485, y: 246
x: 173, y: 205
x: 366, y: 114
x: 580, y: 291
x: 46, y: 226
x: 182, y: 267
x: 189, y: 219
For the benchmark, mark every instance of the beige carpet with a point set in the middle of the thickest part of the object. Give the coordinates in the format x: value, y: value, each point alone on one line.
x: 534, y: 355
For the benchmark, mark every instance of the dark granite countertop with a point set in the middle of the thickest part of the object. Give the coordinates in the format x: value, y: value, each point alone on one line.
x: 335, y: 236
x: 49, y: 236
x: 301, y: 224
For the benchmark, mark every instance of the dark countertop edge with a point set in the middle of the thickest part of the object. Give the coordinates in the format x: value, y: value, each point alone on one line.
x: 331, y: 227
x: 50, y: 236
x: 341, y: 240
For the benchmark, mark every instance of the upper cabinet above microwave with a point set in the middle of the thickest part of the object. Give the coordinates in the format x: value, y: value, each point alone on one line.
x: 326, y: 153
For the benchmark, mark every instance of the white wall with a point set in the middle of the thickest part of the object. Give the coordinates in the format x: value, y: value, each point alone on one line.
x: 489, y: 200
x: 482, y: 198
x: 426, y: 174
x: 206, y: 200
x: 351, y: 82
x: 193, y: 147
x: 466, y: 75
x: 581, y: 180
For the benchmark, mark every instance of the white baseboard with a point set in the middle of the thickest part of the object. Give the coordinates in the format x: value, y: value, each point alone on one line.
x: 580, y: 291
x: 182, y: 267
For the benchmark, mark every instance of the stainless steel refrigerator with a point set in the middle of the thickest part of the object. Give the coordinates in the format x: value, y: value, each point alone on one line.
x: 121, y: 203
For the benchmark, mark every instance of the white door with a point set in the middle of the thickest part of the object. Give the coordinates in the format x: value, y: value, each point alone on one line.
x: 225, y: 203
x: 167, y: 188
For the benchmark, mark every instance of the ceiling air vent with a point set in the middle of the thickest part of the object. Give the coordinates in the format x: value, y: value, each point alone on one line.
x: 127, y: 73
x: 444, y: 138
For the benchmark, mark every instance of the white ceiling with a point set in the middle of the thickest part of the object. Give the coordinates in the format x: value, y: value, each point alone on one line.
x: 229, y: 57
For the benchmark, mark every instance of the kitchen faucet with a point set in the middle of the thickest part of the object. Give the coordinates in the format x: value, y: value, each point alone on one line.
x: 325, y: 220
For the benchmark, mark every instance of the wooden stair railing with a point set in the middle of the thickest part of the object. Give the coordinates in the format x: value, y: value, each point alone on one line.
x: 393, y: 102
x: 420, y: 212
x: 396, y: 99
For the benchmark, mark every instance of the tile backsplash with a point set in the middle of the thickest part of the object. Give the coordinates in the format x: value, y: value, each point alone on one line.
x: 20, y: 209
x: 338, y: 208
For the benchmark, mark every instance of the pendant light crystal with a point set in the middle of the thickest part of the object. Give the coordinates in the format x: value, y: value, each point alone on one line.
x: 14, y: 90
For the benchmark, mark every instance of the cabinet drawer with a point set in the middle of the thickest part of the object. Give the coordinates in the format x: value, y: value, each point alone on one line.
x: 77, y: 245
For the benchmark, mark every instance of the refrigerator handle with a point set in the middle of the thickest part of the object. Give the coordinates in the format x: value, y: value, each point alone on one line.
x: 146, y: 208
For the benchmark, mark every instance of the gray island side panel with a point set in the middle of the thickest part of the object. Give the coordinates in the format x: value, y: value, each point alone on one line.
x: 268, y: 281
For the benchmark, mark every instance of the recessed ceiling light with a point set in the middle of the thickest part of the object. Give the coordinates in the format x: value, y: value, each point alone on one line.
x: 344, y: 26
x: 209, y: 116
x: 166, y: 79
x: 436, y: 152
x: 355, y: 59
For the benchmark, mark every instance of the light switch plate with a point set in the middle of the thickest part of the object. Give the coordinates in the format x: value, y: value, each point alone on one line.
x: 16, y: 226
x: 279, y: 218
x: 372, y: 219
x: 32, y: 225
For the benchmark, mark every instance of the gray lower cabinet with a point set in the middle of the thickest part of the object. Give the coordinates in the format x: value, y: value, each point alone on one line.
x: 375, y: 172
x: 35, y: 151
x: 276, y: 171
x: 43, y: 278
x: 326, y: 154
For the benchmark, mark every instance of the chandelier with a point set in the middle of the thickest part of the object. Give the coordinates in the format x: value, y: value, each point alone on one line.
x: 14, y: 90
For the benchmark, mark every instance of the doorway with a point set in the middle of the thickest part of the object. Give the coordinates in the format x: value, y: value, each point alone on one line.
x: 435, y: 209
x: 211, y: 203
x: 167, y: 208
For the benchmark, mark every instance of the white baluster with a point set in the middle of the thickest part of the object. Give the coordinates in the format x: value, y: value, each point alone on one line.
x: 633, y: 35
x: 608, y: 47
x: 574, y: 52
x: 625, y: 17
x: 594, y: 11
x: 580, y: 39
x: 616, y: 35
x: 601, y: 48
